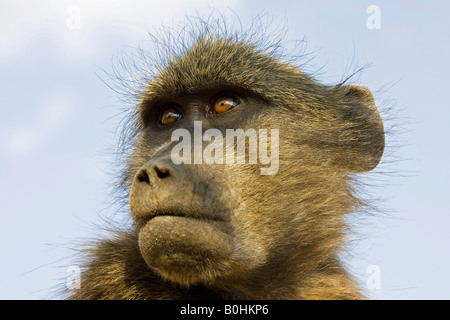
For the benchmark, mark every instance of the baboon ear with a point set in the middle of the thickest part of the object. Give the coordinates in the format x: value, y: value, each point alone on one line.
x: 364, y: 128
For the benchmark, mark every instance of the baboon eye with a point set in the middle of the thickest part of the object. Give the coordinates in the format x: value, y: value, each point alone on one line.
x: 169, y: 115
x: 224, y: 103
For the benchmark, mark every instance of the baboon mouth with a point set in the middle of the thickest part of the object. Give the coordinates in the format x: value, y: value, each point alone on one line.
x: 144, y: 219
x: 163, y: 214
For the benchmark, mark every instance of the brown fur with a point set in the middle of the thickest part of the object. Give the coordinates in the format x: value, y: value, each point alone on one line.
x: 242, y: 235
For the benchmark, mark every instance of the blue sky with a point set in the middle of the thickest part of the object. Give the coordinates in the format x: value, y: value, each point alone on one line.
x: 58, y: 121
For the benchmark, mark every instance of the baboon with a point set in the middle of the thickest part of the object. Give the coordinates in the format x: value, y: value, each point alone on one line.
x: 223, y: 230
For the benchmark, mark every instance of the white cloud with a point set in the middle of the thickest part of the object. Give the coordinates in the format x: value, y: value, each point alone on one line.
x: 21, y: 22
x: 29, y: 138
x: 53, y: 116
x: 19, y: 13
x: 22, y: 141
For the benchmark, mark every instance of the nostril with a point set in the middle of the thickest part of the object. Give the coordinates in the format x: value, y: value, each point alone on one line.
x: 151, y: 174
x: 161, y: 173
x: 143, y: 176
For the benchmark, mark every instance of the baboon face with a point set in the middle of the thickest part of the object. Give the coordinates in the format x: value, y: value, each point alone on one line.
x: 193, y: 220
x: 211, y: 221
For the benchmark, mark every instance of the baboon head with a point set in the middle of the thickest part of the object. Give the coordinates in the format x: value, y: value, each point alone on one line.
x: 205, y: 215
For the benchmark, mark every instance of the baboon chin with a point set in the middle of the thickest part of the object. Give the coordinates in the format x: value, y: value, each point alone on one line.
x: 240, y: 170
x: 200, y: 250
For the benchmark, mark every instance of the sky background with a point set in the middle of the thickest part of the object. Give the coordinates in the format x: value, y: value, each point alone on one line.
x: 58, y: 123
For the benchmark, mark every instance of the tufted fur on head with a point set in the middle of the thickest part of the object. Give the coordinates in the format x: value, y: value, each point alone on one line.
x: 284, y: 232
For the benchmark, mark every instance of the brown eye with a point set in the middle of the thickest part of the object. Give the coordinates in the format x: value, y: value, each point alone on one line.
x: 225, y: 103
x: 169, y: 115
